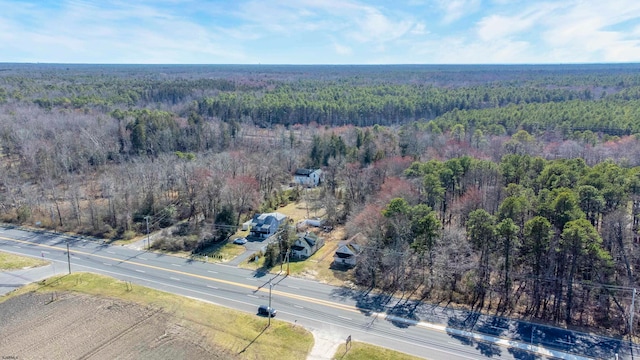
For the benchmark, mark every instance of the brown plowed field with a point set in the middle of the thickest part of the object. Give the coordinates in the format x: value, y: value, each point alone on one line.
x: 76, y: 326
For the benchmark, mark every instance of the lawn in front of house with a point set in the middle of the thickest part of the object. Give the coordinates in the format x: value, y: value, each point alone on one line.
x: 319, y: 265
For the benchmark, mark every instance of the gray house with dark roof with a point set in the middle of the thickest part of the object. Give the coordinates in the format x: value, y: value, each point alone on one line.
x: 265, y: 225
x: 306, y: 245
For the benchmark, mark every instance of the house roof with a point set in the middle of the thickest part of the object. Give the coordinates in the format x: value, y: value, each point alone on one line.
x: 307, y: 240
x: 348, y: 250
x: 350, y: 247
x: 310, y: 238
x: 265, y: 218
x: 304, y: 172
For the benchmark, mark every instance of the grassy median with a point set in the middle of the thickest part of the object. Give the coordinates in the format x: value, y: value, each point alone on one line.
x: 363, y: 351
x: 10, y: 262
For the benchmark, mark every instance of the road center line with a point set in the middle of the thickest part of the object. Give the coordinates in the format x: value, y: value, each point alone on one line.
x: 334, y: 305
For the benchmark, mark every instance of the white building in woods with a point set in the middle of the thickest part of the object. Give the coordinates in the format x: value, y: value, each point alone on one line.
x: 264, y: 225
x: 306, y: 245
x: 348, y: 252
x: 308, y: 177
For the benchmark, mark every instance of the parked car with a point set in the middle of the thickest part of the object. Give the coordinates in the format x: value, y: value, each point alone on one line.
x: 240, y: 241
x: 264, y: 310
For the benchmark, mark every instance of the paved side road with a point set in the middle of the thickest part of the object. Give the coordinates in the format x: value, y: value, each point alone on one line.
x: 11, y: 280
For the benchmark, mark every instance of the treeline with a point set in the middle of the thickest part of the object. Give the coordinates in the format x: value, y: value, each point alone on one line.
x: 611, y: 117
x: 361, y: 96
x: 555, y: 240
x: 339, y: 104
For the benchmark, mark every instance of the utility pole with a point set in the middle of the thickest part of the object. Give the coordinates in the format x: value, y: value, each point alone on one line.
x: 148, y: 239
x: 288, y: 269
x: 269, y: 309
x: 68, y: 257
x: 631, y: 312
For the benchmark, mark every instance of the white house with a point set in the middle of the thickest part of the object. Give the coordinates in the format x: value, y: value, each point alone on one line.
x: 306, y: 245
x: 265, y: 225
x: 307, y: 177
x: 347, y: 253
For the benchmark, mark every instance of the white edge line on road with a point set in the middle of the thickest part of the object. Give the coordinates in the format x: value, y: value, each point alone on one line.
x: 492, y: 339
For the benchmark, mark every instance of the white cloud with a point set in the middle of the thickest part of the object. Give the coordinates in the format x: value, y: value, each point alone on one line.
x: 459, y: 50
x: 582, y: 32
x: 342, y: 49
x: 419, y: 29
x: 373, y: 26
x: 456, y: 9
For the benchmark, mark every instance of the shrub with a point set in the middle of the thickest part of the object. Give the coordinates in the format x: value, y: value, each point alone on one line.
x: 23, y: 214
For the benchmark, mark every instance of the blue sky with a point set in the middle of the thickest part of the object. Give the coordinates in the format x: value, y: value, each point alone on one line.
x: 320, y: 31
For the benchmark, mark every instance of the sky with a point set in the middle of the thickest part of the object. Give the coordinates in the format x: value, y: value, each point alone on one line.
x: 320, y: 31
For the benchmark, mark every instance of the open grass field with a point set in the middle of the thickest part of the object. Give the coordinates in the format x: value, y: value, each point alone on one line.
x: 116, y: 319
x: 10, y: 262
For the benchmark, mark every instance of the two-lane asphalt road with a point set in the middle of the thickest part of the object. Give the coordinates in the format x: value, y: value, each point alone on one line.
x: 304, y: 302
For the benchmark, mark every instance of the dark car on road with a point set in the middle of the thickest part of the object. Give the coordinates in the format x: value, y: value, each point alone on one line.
x: 264, y: 310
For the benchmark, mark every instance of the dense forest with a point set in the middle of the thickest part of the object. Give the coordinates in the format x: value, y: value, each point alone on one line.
x: 513, y: 189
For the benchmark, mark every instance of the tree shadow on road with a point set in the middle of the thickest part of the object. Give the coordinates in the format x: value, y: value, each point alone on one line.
x: 470, y: 321
x: 401, y: 315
